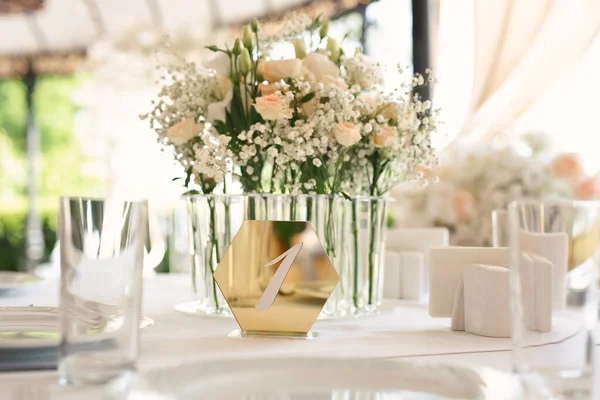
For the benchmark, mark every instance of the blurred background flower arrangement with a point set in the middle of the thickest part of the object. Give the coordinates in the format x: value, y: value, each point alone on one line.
x: 474, y: 179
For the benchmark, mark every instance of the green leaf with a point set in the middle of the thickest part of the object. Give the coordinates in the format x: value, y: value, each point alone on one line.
x: 188, y: 177
x: 346, y: 195
x: 176, y: 179
x: 308, y: 97
x: 324, y: 100
x: 213, y: 48
x: 221, y: 127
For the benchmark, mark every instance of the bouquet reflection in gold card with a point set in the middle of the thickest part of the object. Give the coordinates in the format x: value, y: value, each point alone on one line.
x: 276, y: 277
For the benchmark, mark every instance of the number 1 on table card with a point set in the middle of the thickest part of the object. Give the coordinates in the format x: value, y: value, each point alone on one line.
x: 268, y: 297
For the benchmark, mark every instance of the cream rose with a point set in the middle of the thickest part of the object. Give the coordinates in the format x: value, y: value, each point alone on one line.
x: 282, y: 69
x: 347, y: 134
x: 220, y: 63
x: 272, y: 107
x: 318, y: 66
x: 216, y: 111
x: 384, y: 137
x: 183, y: 131
x: 335, y: 81
x: 387, y: 111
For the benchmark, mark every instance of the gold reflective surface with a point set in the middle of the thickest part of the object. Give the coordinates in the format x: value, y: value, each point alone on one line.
x: 276, y: 277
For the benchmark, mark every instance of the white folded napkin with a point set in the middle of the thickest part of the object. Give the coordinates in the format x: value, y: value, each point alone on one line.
x: 537, y: 292
x: 404, y: 275
x: 486, y: 303
x: 554, y: 247
x: 447, y: 267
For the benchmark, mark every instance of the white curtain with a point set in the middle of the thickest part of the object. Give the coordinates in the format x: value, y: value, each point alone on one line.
x: 496, y: 58
x: 521, y: 49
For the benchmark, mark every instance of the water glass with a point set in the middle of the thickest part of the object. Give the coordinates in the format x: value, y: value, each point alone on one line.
x: 101, y: 256
x: 553, y: 294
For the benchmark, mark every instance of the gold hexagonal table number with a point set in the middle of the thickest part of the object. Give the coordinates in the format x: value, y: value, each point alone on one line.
x: 276, y: 278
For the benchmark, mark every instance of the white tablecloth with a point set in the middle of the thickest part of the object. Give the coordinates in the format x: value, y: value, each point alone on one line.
x: 404, y: 330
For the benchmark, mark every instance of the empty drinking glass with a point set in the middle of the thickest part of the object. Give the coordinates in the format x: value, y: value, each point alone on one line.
x: 101, y: 252
x: 554, y: 259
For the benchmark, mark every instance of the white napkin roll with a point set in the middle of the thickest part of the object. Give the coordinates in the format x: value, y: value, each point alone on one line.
x: 392, y: 284
x: 404, y: 275
x: 447, y: 266
x: 486, y: 307
x: 554, y: 247
x: 419, y: 240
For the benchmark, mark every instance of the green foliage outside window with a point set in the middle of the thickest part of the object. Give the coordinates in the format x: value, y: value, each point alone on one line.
x: 60, y: 164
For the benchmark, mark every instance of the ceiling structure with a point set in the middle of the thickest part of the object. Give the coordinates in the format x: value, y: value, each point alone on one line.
x: 48, y: 32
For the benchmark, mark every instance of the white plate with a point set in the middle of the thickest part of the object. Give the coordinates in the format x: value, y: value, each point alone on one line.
x: 11, y: 281
x: 320, y: 379
x: 28, y: 328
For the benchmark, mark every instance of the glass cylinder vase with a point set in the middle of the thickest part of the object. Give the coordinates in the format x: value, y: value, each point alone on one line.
x: 367, y: 253
x: 213, y: 221
x: 328, y: 217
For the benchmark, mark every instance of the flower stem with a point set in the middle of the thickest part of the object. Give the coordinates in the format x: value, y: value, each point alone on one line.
x: 356, y: 260
x: 214, y: 250
x: 372, y: 248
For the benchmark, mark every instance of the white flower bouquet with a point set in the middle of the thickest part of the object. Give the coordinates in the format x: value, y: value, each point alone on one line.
x: 317, y: 123
x: 474, y: 180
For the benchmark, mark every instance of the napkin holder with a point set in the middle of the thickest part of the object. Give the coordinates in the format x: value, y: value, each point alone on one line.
x: 404, y: 275
x: 415, y: 240
x: 447, y: 268
x: 481, y: 300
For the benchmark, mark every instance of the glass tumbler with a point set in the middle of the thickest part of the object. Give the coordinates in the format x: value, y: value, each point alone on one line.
x: 553, y: 295
x: 101, y: 256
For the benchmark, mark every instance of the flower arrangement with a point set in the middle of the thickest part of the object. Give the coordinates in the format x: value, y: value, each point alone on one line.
x: 475, y: 180
x: 319, y: 122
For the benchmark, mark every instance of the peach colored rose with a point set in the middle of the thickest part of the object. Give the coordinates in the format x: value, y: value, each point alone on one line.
x: 318, y: 66
x: 282, y: 69
x: 384, y: 137
x: 183, y: 131
x: 347, y: 134
x: 567, y: 166
x: 272, y: 107
x: 266, y: 90
x: 588, y: 189
x: 462, y: 205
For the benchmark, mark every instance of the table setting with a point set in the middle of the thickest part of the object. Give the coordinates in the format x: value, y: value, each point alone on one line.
x: 299, y: 285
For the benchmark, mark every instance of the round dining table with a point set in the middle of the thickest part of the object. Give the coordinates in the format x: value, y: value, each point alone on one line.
x: 403, y: 329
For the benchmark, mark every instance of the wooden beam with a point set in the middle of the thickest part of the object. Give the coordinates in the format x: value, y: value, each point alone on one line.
x: 44, y: 63
x: 20, y: 6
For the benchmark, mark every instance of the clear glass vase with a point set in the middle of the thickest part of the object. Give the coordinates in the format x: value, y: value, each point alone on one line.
x: 213, y: 221
x: 328, y: 217
x: 367, y: 253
